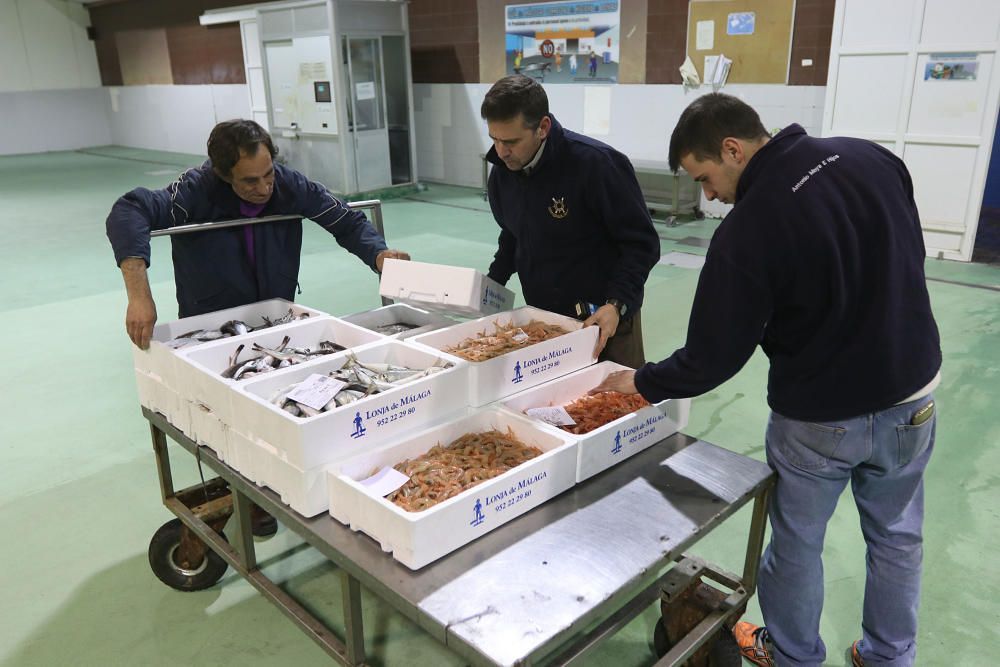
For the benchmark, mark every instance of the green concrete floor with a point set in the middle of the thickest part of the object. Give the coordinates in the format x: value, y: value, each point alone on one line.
x: 79, y: 498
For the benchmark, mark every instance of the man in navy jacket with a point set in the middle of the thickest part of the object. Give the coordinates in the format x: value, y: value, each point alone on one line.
x: 821, y: 263
x: 236, y: 265
x: 573, y: 222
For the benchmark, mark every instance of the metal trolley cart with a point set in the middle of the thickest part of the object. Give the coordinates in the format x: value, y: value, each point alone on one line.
x: 543, y: 589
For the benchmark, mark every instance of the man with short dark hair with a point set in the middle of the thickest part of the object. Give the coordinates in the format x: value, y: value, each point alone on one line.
x: 238, y: 265
x: 821, y: 263
x: 573, y: 222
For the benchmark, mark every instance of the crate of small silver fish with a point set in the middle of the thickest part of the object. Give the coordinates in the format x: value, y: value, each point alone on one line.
x: 608, y: 427
x: 400, y: 320
x: 207, y: 373
x: 349, y: 402
x: 423, y: 497
x: 156, y: 367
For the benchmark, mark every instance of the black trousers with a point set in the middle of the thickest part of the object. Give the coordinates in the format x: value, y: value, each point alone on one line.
x: 625, y: 347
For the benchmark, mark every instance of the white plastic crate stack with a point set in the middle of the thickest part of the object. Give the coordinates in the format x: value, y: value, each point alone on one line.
x: 418, y: 538
x: 290, y: 454
x: 157, y: 380
x: 614, y: 442
x: 527, y: 367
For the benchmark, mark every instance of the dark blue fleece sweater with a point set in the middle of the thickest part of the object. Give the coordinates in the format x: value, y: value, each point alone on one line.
x: 821, y: 263
x: 576, y: 228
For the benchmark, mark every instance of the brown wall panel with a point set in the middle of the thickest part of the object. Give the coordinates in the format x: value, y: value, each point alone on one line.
x: 811, y: 40
x: 666, y: 40
x: 197, y: 60
x: 444, y: 41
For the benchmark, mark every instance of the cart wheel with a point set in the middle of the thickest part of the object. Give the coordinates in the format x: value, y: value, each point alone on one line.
x: 725, y: 652
x: 162, y: 549
x: 660, y: 642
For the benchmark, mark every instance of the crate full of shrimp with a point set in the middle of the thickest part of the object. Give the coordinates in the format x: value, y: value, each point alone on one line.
x: 399, y: 320
x: 443, y: 288
x: 513, y: 351
x: 159, y: 360
x: 608, y: 427
x: 350, y: 402
x: 208, y: 373
x: 441, y: 489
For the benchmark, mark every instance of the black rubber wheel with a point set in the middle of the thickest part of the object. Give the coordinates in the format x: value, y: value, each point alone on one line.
x: 725, y: 652
x: 660, y: 642
x: 162, y: 548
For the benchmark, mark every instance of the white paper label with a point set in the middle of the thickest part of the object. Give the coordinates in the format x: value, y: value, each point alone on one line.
x: 384, y: 482
x: 316, y: 391
x: 555, y: 415
x: 704, y: 36
x: 365, y: 90
x: 520, y: 336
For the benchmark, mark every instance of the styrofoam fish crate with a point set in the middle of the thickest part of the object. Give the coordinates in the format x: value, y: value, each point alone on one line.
x: 615, y: 441
x: 306, y: 442
x: 443, y: 288
x: 304, y: 490
x: 400, y: 313
x: 160, y: 359
x: 529, y: 366
x: 200, y: 370
x: 158, y: 397
x: 208, y: 430
x: 418, y: 538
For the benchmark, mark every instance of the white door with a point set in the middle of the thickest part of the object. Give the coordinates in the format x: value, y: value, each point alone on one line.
x: 921, y: 78
x: 366, y: 121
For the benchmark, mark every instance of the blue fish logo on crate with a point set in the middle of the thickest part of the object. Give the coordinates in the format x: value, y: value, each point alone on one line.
x: 359, y: 427
x: 617, y: 449
x: 480, y: 517
x: 517, y: 372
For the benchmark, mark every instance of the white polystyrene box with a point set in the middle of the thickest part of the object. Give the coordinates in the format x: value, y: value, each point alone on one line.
x: 158, y: 397
x: 443, y: 288
x: 160, y: 359
x: 306, y: 442
x: 200, y: 370
x: 207, y: 429
x: 304, y: 490
x: 418, y: 538
x: 615, y: 441
x: 400, y: 313
x: 529, y: 366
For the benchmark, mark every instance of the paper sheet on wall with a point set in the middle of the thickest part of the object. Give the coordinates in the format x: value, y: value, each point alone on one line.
x: 597, y: 110
x: 365, y: 90
x: 704, y: 36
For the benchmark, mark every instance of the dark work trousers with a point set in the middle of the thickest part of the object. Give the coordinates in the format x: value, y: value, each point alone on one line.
x: 625, y: 347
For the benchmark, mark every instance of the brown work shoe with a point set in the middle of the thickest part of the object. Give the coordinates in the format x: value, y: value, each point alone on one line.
x: 754, y: 643
x: 856, y: 655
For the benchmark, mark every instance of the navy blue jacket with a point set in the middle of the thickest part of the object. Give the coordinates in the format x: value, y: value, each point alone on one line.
x: 602, y: 248
x: 821, y: 263
x: 212, y: 269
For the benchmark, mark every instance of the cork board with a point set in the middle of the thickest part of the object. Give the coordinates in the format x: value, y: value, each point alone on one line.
x: 760, y: 57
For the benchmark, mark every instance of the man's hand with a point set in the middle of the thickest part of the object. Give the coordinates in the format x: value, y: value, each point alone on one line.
x: 140, y: 316
x: 389, y: 254
x: 620, y: 381
x: 605, y: 317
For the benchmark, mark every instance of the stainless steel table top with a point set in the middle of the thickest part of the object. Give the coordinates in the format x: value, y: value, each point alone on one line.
x: 522, y: 591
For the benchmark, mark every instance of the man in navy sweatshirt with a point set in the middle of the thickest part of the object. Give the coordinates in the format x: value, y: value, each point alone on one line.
x: 573, y: 222
x: 821, y: 263
x: 237, y: 265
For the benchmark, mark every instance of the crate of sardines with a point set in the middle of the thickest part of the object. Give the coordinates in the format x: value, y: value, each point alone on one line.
x: 156, y: 367
x: 512, y: 351
x: 209, y: 372
x: 429, y: 495
x: 608, y: 427
x: 399, y: 320
x: 350, y: 402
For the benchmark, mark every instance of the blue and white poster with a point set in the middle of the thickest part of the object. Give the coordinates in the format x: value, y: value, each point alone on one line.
x: 564, y: 42
x: 741, y: 23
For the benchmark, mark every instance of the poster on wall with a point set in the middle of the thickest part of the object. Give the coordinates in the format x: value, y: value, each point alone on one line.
x: 564, y: 42
x: 951, y: 67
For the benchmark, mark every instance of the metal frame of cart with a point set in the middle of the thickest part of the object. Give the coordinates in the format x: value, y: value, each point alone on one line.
x: 609, y: 546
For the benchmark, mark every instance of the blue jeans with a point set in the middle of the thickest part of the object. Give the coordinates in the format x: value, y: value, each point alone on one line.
x: 884, y: 457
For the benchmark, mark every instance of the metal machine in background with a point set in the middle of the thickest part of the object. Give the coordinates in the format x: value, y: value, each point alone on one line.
x: 331, y: 80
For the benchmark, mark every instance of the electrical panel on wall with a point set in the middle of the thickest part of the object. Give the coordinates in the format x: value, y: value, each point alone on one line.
x: 300, y: 83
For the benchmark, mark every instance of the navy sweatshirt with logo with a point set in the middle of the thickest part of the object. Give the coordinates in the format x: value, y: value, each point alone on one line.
x: 821, y: 263
x: 575, y: 228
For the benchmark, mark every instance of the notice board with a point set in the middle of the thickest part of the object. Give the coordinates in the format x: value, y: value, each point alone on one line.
x: 755, y: 34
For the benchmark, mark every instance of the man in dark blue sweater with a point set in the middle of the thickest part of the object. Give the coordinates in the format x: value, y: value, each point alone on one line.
x: 573, y: 222
x: 236, y: 265
x: 821, y: 263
